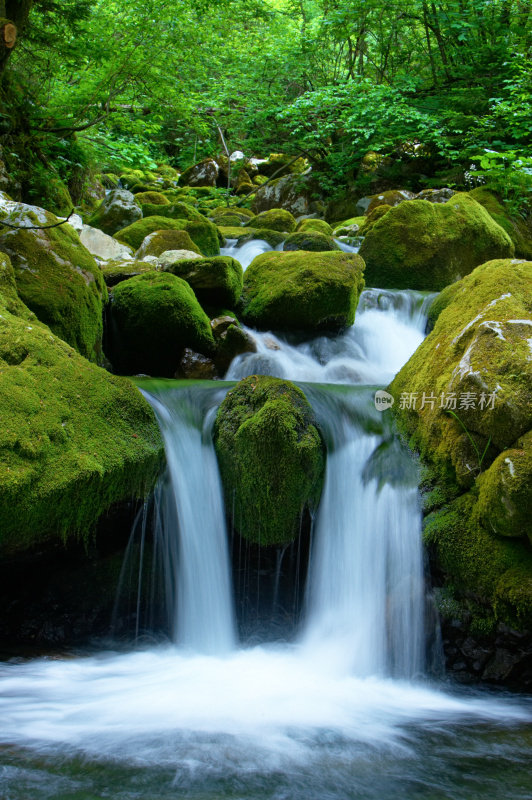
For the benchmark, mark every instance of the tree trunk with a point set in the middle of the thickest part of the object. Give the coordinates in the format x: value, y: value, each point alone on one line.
x: 14, y: 16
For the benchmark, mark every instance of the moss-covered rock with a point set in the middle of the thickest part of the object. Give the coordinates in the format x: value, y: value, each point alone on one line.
x: 271, y: 458
x: 350, y: 227
x: 203, y: 234
x: 518, y: 229
x: 216, y: 281
x: 173, y: 210
x: 74, y: 439
x: 478, y: 351
x: 310, y: 240
x: 392, y: 198
x: 155, y: 316
x: 56, y: 277
x: 494, y: 573
x: 282, y: 164
x: 151, y: 198
x: 117, y: 271
x: 317, y: 225
x: 277, y: 219
x: 505, y: 491
x: 302, y: 291
x: 116, y: 211
x: 463, y: 400
x: 244, y: 235
x: 229, y: 217
x: 373, y: 217
x: 422, y: 245
x: 160, y: 241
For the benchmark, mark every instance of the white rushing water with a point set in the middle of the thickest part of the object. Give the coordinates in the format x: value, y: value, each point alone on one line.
x: 245, y: 253
x: 340, y: 712
x: 193, y: 538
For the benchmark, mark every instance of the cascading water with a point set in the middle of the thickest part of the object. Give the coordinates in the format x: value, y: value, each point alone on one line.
x: 312, y: 719
x: 192, y: 532
x: 365, y: 584
x: 245, y: 253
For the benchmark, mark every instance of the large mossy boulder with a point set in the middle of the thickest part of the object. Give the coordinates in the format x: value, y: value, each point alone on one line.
x: 174, y: 210
x: 518, y: 229
x: 159, y: 242
x: 275, y: 220
x: 156, y: 316
x: 463, y: 401
x: 74, y: 439
x: 271, y: 458
x: 203, y: 233
x: 302, y: 291
x: 56, y: 276
x: 294, y: 193
x: 117, y: 210
x: 426, y: 246
x: 217, y: 282
x: 311, y: 241
x: 317, y: 225
x: 117, y: 271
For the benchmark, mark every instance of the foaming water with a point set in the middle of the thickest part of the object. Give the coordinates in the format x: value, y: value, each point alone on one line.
x: 192, y: 535
x: 245, y: 253
x: 365, y: 584
x: 388, y: 328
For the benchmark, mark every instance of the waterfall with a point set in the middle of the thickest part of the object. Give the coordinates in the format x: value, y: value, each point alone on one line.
x: 245, y: 253
x: 365, y: 591
x: 192, y: 536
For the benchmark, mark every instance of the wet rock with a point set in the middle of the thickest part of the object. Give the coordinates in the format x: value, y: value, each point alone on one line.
x: 196, y: 366
x: 117, y: 210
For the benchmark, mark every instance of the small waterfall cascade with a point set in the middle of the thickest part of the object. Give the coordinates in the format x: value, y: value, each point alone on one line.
x: 365, y: 590
x: 191, y: 534
x: 245, y: 253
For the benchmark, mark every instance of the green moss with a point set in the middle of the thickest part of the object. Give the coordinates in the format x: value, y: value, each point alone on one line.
x: 203, y: 234
x: 271, y: 458
x: 155, y: 316
x: 505, y: 491
x: 57, y: 278
x: 151, y: 198
x: 518, y: 229
x: 174, y: 210
x: 216, y: 281
x: 74, y: 439
x: 244, y: 235
x: 277, y: 219
x: 116, y: 271
x: 159, y: 241
x: 373, y: 216
x: 422, y: 245
x: 317, y: 225
x: 310, y: 241
x: 9, y: 299
x: 478, y: 345
x: 492, y: 571
x: 302, y: 291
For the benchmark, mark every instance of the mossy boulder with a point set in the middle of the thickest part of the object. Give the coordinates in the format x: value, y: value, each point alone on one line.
x: 271, y: 458
x: 392, y: 198
x: 479, y: 352
x: 518, y: 229
x: 422, y: 245
x: 151, y: 198
x: 317, y: 225
x: 56, y: 277
x: 74, y: 439
x: 302, y: 291
x: 203, y: 234
x: 350, y: 227
x: 216, y: 281
x: 159, y: 242
x: 463, y: 401
x: 490, y: 574
x: 505, y: 491
x: 173, y: 210
x: 156, y: 316
x: 244, y: 235
x: 277, y: 219
x: 373, y: 217
x: 230, y: 217
x: 282, y: 164
x: 117, y: 271
x: 310, y: 240
x: 117, y: 210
